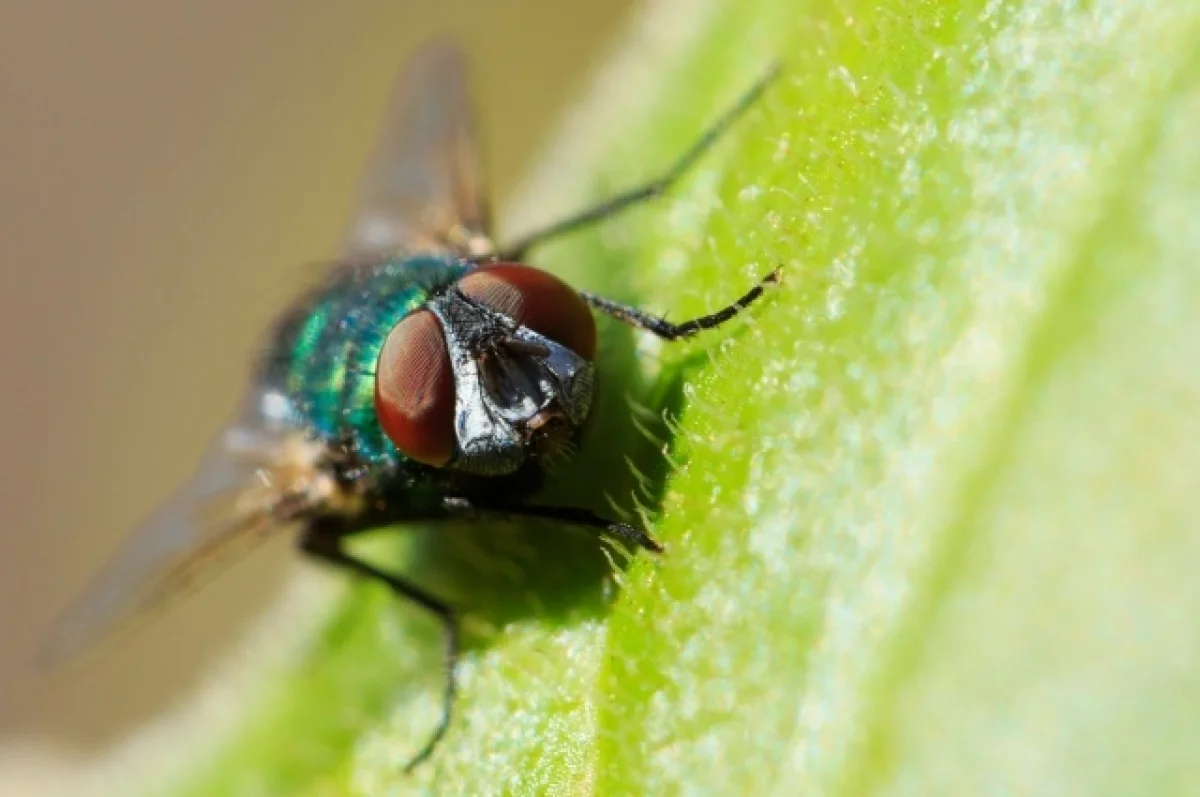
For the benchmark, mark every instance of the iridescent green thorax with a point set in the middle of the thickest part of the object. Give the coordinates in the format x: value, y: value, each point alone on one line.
x: 323, y: 355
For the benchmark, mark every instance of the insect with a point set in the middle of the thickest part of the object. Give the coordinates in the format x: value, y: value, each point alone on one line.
x: 428, y: 377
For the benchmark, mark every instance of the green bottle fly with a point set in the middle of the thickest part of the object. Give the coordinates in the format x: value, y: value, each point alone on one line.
x: 428, y: 377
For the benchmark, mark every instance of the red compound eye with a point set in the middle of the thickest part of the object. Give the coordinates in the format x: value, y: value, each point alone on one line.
x: 535, y: 299
x: 414, y: 390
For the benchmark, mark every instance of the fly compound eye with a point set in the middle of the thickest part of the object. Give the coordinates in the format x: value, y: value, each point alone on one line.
x: 414, y: 390
x: 535, y: 299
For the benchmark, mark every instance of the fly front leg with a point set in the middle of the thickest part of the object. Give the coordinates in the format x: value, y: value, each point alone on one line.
x: 570, y: 515
x: 654, y: 188
x: 669, y: 331
x: 324, y: 539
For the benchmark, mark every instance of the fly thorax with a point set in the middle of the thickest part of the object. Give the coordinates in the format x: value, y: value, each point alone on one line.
x: 516, y: 392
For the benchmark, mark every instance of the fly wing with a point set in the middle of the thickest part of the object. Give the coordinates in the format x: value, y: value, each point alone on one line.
x: 250, y: 485
x: 422, y: 192
x: 423, y: 189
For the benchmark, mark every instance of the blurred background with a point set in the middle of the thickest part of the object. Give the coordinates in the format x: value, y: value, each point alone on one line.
x: 170, y: 172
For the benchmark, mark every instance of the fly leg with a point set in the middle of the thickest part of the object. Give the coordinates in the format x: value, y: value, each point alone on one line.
x: 669, y: 331
x: 652, y: 189
x: 570, y: 515
x: 323, y: 539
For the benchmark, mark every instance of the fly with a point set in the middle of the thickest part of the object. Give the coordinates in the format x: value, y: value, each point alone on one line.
x: 428, y: 377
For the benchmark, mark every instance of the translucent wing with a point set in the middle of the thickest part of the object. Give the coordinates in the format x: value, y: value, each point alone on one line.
x: 252, y: 483
x: 423, y: 189
x: 422, y: 192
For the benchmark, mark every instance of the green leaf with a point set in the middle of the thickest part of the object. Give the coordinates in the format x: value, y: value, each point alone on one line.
x: 930, y: 508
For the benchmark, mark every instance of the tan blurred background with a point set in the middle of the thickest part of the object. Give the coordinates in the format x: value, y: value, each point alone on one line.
x: 166, y: 172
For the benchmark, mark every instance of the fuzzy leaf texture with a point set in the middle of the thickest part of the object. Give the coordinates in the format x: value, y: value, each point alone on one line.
x: 930, y: 508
